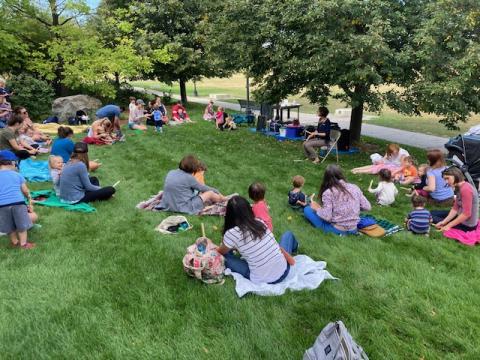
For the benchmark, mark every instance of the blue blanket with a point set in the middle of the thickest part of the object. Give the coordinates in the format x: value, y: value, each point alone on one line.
x: 35, y: 171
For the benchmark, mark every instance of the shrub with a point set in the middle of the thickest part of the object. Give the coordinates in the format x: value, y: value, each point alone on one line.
x: 34, y: 94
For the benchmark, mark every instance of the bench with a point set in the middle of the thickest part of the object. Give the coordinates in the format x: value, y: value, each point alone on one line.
x: 253, y: 105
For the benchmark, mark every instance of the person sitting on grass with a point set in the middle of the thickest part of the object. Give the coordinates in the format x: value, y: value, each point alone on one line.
x: 391, y: 161
x: 8, y: 139
x: 340, y: 204
x: 5, y: 112
x: 75, y: 184
x: 419, y: 219
x: 183, y: 193
x: 220, y: 117
x: 63, y: 146
x: 464, y: 213
x: 408, y: 173
x: 112, y: 113
x: 16, y: 217
x: 296, y: 198
x: 262, y: 259
x: 209, y: 113
x: 437, y: 191
x: 179, y: 113
x: 386, y: 190
x: 320, y: 137
x: 256, y: 192
x: 29, y: 128
x: 101, y: 132
x: 55, y: 165
x: 135, y: 120
x: 229, y: 124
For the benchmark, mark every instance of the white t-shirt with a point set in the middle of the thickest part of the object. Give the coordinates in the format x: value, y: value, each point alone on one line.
x: 131, y: 111
x: 396, y: 160
x: 264, y: 257
x: 386, y: 192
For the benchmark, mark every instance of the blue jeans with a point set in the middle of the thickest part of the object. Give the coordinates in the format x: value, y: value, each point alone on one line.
x: 323, y: 225
x: 440, y: 215
x: 240, y: 266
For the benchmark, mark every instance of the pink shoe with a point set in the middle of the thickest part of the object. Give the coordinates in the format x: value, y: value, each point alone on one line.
x: 28, y: 245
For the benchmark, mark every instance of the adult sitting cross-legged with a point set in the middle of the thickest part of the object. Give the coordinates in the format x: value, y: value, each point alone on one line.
x: 75, y: 184
x: 179, y: 113
x: 340, y: 204
x: 262, y: 259
x: 183, y: 193
x: 464, y: 213
x: 320, y: 137
x: 8, y: 139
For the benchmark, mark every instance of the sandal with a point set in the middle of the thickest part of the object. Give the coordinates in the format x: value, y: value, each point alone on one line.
x: 28, y: 245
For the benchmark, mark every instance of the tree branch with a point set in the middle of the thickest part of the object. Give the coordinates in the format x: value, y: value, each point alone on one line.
x: 26, y: 13
x: 67, y: 20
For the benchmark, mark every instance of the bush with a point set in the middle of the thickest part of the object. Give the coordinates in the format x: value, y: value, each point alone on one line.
x: 34, y: 94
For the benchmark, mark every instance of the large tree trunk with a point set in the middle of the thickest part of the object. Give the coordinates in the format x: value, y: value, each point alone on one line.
x: 357, y: 114
x: 356, y: 123
x: 59, y: 88
x: 183, y: 91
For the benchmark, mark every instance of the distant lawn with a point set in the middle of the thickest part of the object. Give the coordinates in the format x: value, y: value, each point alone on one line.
x: 107, y: 286
x: 423, y: 125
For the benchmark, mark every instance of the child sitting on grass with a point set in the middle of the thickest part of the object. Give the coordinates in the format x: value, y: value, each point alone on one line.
x: 407, y: 174
x: 229, y: 124
x: 418, y: 221
x: 16, y: 217
x: 386, y: 190
x: 199, y: 173
x: 417, y: 188
x: 256, y: 191
x: 55, y: 163
x: 220, y: 118
x: 296, y: 198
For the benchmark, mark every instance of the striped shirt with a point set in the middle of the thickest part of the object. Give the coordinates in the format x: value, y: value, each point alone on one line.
x: 419, y: 221
x: 265, y: 260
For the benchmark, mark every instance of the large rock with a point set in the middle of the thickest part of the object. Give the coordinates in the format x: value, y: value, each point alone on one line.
x: 66, y: 107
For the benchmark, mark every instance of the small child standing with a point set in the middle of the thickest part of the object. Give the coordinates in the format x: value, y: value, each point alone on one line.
x: 386, y: 190
x: 256, y: 191
x: 418, y: 221
x: 16, y: 217
x: 296, y: 198
x: 407, y: 174
x: 158, y: 118
x: 55, y: 163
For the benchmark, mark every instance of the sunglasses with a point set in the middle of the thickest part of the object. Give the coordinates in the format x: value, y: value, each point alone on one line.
x: 24, y: 112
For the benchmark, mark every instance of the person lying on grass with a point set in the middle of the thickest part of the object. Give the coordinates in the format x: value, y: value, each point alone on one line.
x: 464, y: 213
x: 391, y: 161
x: 340, y: 204
x: 183, y: 193
x: 75, y: 184
x: 16, y: 217
x: 262, y: 259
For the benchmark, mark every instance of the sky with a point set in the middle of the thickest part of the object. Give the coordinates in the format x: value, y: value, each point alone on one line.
x: 93, y: 3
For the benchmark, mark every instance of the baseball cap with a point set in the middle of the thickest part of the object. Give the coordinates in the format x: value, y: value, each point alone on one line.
x: 140, y: 102
x: 7, y: 155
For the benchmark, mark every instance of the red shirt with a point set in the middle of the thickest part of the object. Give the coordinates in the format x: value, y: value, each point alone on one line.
x: 260, y: 210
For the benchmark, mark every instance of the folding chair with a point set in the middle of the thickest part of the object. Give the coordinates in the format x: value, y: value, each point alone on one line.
x: 334, y: 137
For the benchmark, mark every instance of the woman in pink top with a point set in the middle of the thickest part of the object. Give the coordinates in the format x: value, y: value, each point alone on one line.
x: 256, y: 191
x: 339, y: 209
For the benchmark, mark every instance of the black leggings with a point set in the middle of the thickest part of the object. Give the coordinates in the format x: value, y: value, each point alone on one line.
x: 440, y: 215
x: 97, y: 195
x: 22, y: 154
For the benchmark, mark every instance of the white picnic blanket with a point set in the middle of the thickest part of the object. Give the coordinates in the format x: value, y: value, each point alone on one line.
x: 305, y: 274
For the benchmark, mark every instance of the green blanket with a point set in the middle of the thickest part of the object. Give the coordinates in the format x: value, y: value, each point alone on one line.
x: 53, y: 201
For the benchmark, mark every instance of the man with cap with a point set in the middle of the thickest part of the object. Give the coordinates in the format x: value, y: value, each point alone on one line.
x: 112, y: 112
x: 135, y: 119
x: 16, y: 217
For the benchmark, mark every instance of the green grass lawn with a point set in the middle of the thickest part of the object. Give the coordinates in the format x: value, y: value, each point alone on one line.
x: 106, y: 285
x: 424, y: 124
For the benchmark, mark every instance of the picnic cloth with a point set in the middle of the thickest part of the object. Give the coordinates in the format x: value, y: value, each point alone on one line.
x: 153, y: 204
x: 53, y: 201
x: 35, y: 171
x: 52, y: 128
x: 390, y: 228
x: 469, y: 238
x: 305, y: 274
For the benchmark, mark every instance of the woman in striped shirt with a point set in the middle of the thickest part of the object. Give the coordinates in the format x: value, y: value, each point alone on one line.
x: 263, y: 260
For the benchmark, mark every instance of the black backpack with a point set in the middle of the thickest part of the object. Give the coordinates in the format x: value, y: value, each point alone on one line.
x: 344, y: 141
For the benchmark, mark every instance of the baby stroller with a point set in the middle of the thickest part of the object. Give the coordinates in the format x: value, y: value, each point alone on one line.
x: 464, y: 152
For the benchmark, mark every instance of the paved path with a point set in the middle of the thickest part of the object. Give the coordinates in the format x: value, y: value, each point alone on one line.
x: 379, y: 132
